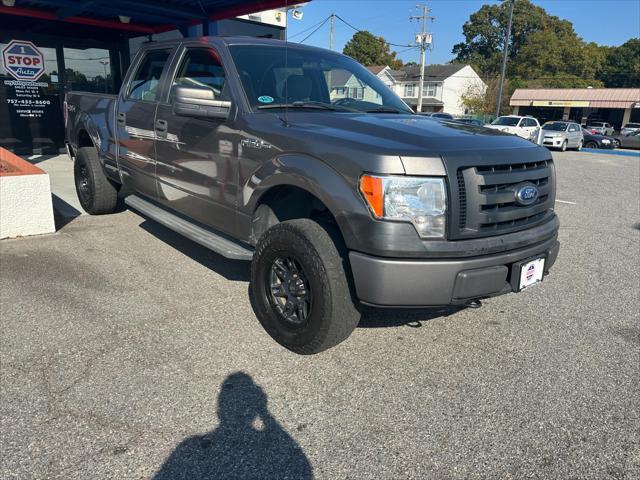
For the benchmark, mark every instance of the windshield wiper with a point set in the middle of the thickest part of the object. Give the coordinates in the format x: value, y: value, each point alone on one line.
x: 307, y: 104
x: 385, y: 110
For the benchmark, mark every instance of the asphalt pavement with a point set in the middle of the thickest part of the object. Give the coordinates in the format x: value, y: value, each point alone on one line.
x: 128, y: 352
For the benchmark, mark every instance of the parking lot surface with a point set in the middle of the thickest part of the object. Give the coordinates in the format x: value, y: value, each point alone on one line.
x: 130, y: 352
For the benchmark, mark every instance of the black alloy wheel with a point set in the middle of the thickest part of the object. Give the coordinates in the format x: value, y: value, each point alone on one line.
x: 289, y: 290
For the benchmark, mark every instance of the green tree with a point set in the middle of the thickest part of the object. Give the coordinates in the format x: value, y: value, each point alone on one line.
x: 369, y: 50
x: 482, y: 101
x: 484, y: 33
x: 621, y: 66
x: 545, y: 51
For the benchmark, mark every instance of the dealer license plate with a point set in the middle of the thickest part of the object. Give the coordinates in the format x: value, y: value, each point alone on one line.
x: 531, y: 273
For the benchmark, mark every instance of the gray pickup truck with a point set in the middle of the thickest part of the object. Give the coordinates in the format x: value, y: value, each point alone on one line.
x: 302, y: 161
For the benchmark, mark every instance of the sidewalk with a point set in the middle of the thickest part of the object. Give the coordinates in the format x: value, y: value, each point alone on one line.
x: 63, y: 190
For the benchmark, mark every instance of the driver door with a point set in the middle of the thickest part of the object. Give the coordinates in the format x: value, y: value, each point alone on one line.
x: 197, y: 164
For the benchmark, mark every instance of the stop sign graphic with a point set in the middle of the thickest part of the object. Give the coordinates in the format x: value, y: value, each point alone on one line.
x: 23, y: 60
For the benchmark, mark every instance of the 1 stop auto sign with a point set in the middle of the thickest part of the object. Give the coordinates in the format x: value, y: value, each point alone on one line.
x: 23, y: 60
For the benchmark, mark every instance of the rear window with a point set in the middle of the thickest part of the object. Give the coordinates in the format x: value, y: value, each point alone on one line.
x: 146, y: 81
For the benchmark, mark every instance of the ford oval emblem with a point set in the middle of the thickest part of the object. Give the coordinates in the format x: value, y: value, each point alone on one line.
x: 527, y: 194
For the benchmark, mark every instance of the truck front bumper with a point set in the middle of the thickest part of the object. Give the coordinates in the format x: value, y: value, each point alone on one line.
x: 415, y: 283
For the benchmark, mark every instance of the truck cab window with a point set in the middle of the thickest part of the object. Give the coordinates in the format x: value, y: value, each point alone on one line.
x: 146, y: 80
x: 201, y: 67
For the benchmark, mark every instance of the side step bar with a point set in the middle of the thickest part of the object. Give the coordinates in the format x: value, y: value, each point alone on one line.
x: 226, y: 248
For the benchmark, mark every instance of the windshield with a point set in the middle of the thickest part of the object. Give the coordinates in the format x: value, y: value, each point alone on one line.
x: 596, y: 124
x: 275, y: 77
x: 555, y: 126
x: 507, y: 121
x: 632, y: 125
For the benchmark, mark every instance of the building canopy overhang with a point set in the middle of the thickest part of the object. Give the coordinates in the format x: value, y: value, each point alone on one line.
x: 577, y: 97
x: 130, y: 17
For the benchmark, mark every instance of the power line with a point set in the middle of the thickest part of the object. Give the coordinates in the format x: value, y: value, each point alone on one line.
x: 318, y: 28
x: 306, y: 29
x: 360, y: 31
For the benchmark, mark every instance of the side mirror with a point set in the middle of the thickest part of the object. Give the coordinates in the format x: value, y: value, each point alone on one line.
x: 199, y: 102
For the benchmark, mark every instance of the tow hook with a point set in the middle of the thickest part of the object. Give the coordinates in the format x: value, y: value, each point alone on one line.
x: 473, y: 304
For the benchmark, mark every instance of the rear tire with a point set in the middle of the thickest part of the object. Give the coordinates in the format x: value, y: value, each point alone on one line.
x: 324, y: 314
x: 96, y: 193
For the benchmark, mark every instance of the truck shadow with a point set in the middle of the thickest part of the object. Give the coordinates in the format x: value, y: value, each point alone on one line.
x: 248, y: 443
x: 401, y: 317
x: 240, y: 271
x: 234, y: 270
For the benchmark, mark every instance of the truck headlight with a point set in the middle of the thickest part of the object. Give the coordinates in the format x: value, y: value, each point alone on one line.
x: 419, y: 200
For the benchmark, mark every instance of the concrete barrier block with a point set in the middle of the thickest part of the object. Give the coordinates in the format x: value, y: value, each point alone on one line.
x: 25, y: 198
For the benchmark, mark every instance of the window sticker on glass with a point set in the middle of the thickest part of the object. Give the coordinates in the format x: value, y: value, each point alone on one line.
x: 265, y: 99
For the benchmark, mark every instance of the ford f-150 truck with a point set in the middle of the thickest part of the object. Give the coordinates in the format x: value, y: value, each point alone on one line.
x: 302, y: 161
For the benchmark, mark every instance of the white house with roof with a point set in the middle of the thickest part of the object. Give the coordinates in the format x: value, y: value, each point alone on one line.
x: 444, y: 85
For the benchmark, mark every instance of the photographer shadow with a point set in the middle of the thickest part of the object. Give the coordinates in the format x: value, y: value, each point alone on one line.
x: 247, y: 444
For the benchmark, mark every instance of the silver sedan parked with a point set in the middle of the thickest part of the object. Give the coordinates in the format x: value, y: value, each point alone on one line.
x: 562, y: 135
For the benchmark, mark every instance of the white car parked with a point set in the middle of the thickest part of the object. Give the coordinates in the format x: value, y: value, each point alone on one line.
x: 525, y: 127
x: 562, y: 135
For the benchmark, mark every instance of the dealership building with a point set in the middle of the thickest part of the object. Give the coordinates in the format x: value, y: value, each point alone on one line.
x: 617, y: 106
x: 50, y: 47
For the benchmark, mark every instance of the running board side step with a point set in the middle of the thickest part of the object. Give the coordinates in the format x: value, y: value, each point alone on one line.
x: 226, y: 248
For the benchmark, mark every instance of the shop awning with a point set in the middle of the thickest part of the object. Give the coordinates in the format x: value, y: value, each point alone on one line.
x: 140, y: 16
x: 577, y: 97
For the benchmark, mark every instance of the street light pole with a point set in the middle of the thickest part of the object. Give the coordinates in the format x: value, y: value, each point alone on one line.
x: 504, y: 58
x: 104, y: 64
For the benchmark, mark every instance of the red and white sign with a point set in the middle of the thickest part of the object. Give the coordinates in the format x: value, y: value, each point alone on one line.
x: 22, y: 60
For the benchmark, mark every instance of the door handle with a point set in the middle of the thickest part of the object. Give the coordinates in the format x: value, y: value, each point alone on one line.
x: 122, y: 119
x: 162, y: 126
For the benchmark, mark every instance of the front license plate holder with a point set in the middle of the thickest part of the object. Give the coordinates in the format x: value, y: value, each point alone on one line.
x: 527, y: 273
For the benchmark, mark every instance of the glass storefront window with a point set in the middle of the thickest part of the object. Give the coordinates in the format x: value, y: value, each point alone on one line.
x: 89, y: 70
x: 30, y: 111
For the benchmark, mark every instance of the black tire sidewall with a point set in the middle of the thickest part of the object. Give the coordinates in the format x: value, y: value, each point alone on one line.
x: 102, y: 194
x: 288, y: 244
x: 591, y: 145
x: 80, y: 162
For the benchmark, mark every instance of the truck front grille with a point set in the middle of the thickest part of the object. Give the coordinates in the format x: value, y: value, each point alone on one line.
x: 487, y: 198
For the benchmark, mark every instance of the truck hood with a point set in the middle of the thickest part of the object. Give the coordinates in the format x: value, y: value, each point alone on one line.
x: 378, y: 142
x: 397, y: 134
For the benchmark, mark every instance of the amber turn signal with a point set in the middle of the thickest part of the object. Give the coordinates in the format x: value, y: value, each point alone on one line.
x: 371, y: 188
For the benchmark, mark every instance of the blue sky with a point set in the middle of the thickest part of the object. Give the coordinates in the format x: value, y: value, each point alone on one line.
x: 607, y: 22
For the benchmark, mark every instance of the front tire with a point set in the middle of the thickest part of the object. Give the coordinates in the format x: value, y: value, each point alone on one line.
x: 617, y: 143
x: 579, y: 147
x: 563, y: 148
x: 591, y: 145
x: 300, y: 287
x: 96, y: 193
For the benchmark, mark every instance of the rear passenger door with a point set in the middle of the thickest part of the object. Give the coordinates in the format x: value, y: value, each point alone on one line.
x: 574, y: 136
x: 135, y: 117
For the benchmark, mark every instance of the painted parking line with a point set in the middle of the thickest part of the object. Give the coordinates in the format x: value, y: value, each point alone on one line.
x: 565, y: 201
x: 625, y: 153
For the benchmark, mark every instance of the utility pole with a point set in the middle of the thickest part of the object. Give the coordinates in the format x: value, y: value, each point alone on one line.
x: 331, y: 32
x: 504, y: 58
x: 423, y: 40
